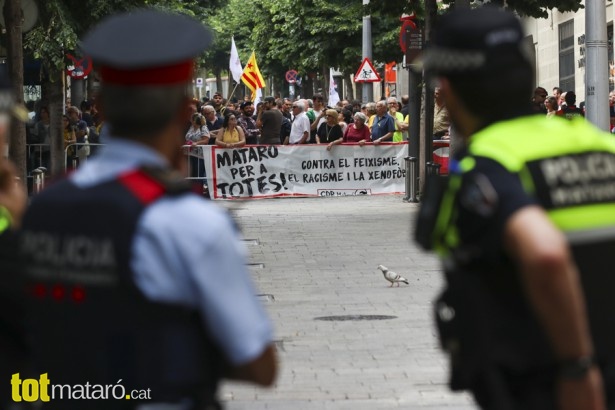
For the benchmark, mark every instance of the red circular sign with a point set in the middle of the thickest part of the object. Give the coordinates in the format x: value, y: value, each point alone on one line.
x: 81, y: 68
x: 402, y: 32
x: 291, y: 76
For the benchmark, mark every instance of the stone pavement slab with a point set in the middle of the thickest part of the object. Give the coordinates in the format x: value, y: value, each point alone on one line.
x: 317, y: 257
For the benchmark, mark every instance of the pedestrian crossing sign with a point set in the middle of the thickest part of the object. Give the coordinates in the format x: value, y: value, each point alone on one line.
x: 367, y: 73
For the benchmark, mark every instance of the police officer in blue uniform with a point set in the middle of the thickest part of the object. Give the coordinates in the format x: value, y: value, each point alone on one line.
x: 136, y: 285
x: 525, y: 226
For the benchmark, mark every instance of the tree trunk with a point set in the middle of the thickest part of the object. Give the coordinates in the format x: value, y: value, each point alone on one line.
x: 218, y: 73
x: 54, y: 89
x: 17, y: 138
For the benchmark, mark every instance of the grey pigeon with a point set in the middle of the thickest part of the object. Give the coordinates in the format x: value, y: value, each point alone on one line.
x: 392, y: 276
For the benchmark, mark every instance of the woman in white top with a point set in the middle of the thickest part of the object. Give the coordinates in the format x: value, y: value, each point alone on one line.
x: 197, y: 134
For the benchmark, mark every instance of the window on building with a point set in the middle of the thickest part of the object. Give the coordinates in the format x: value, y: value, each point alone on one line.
x: 566, y: 55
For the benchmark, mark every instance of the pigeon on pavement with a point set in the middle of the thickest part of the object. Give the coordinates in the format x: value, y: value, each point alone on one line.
x: 392, y: 276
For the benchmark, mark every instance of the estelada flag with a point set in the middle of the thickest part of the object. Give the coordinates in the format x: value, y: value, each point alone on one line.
x: 251, y: 76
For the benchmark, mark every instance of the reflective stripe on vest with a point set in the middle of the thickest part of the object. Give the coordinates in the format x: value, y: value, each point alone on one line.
x: 568, y: 165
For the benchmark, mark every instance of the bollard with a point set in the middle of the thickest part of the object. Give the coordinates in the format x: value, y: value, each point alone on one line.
x: 411, y: 179
x: 75, y: 162
x: 39, y: 179
x: 432, y: 168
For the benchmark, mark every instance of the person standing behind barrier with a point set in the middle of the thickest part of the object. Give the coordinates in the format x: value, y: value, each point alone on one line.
x: 152, y: 291
x: 248, y: 124
x: 357, y: 132
x: 398, y: 118
x: 197, y: 134
x: 70, y: 138
x: 329, y: 130
x: 269, y: 120
x: 557, y: 93
x: 570, y: 110
x: 551, y: 106
x: 370, y: 109
x: 231, y: 135
x: 441, y: 120
x: 383, y: 125
x: 286, y: 122
x: 40, y: 133
x: 316, y: 115
x: 525, y: 229
x: 213, y: 122
x: 300, y: 129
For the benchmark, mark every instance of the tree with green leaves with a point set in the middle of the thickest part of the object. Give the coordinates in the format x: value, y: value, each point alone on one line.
x: 61, y: 23
x: 308, y: 36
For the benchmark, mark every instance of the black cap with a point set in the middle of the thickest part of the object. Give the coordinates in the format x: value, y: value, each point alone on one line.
x: 142, y: 40
x: 475, y: 40
x: 245, y: 104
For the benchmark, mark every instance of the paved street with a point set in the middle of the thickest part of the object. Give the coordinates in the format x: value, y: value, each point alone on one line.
x: 319, y: 258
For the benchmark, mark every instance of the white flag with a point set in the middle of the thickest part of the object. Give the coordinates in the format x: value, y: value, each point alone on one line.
x: 258, y: 97
x: 235, y: 64
x: 334, y: 97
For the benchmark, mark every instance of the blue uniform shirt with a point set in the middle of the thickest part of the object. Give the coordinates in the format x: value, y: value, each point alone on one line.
x: 187, y: 252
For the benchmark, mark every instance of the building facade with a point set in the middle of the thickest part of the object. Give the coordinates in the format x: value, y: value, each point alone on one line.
x: 558, y: 43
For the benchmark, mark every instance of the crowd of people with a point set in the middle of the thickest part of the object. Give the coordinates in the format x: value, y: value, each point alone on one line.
x: 81, y: 126
x: 560, y: 104
x: 308, y: 121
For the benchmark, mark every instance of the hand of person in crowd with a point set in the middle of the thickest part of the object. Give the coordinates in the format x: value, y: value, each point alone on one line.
x: 13, y: 195
x: 586, y: 393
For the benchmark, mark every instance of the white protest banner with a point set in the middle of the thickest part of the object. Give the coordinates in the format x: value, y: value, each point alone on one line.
x: 262, y: 171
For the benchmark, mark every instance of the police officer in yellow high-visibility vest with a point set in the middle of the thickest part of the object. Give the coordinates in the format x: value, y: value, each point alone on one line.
x: 525, y: 226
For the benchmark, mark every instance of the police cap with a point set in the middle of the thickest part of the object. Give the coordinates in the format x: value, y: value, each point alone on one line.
x: 475, y: 41
x: 146, y: 47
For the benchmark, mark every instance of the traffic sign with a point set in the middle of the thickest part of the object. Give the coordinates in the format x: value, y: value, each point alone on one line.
x: 199, y: 82
x: 291, y: 76
x: 413, y: 40
x: 366, y: 73
x: 80, y: 68
x: 407, y: 24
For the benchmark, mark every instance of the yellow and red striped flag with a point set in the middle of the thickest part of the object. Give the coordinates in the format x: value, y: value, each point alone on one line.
x: 251, y: 76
